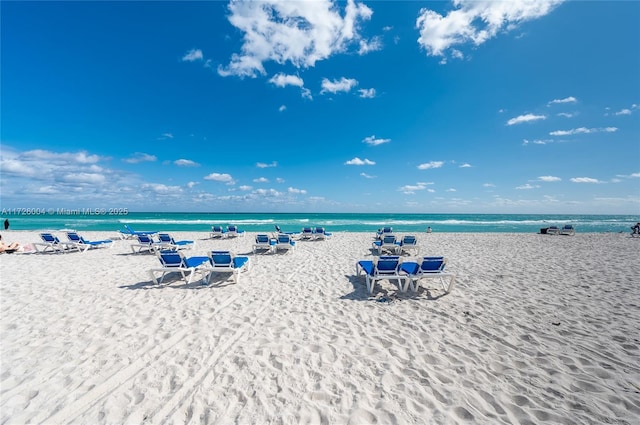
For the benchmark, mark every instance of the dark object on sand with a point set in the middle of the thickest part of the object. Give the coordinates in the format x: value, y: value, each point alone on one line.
x: 6, y: 224
x: 543, y: 231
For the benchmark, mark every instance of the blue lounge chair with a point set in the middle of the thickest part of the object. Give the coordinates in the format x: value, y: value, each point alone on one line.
x: 167, y: 241
x: 129, y: 233
x: 553, y: 230
x: 284, y: 242
x: 386, y: 267
x: 175, y: 261
x: 263, y: 242
x: 568, y: 230
x: 381, y: 233
x: 233, y: 231
x: 408, y: 243
x: 84, y: 245
x: 321, y: 234
x: 217, y: 232
x: 428, y: 267
x: 307, y: 233
x: 51, y: 242
x: 146, y: 244
x: 227, y: 262
x: 388, y: 243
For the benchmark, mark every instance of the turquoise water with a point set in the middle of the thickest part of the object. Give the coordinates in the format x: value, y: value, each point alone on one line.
x: 265, y: 222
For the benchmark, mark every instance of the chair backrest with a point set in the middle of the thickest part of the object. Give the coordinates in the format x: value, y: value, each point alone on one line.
x: 320, y: 230
x: 216, y: 229
x: 307, y: 230
x: 409, y: 240
x: 389, y: 239
x: 387, y: 264
x: 165, y: 237
x: 232, y: 228
x: 221, y: 258
x: 282, y: 238
x: 432, y: 264
x: 145, y: 239
x: 74, y: 237
x: 170, y: 258
x: 49, y: 238
x: 262, y: 238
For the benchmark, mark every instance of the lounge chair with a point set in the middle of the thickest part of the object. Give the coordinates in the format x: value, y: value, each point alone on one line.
x: 381, y: 233
x: 84, y: 245
x: 129, y: 233
x: 321, y: 234
x: 553, y: 230
x: 384, y: 267
x: 428, y: 267
x: 227, y: 262
x: 284, y: 242
x: 217, y: 232
x: 146, y: 244
x: 233, y: 231
x: 175, y: 261
x: 307, y: 233
x: 568, y: 230
x: 167, y: 242
x: 263, y: 242
x: 50, y: 242
x: 388, y: 243
x: 408, y: 243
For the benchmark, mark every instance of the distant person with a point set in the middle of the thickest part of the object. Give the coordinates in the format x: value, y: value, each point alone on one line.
x: 12, y: 247
x: 6, y: 224
x: 635, y: 230
x: 429, y: 229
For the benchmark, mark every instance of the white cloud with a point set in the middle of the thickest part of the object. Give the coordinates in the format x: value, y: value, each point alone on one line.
x: 372, y: 45
x: 186, y: 163
x: 367, y: 176
x: 193, y: 55
x: 279, y: 180
x: 583, y: 130
x: 527, y: 186
x: 245, y: 187
x: 282, y: 108
x: 219, y: 177
x: 569, y: 99
x: 549, y: 179
x: 367, y: 93
x: 261, y: 180
x: 565, y: 114
x: 161, y: 188
x: 372, y: 141
x: 283, y: 80
x: 475, y: 21
x: 584, y: 180
x: 630, y: 176
x: 358, y: 161
x: 526, y: 118
x: 165, y: 136
x: 411, y: 189
x: 299, y: 33
x: 488, y: 185
x: 84, y: 178
x: 465, y: 165
x: 190, y: 185
x: 624, y: 111
x: 341, y: 85
x: 432, y: 164
x: 140, y: 157
x: 265, y: 165
x: 296, y: 191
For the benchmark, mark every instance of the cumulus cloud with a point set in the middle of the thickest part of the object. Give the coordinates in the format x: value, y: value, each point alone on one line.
x: 525, y: 118
x: 372, y: 45
x: 583, y: 130
x: 475, y: 21
x: 432, y: 164
x: 527, y: 186
x: 186, y: 163
x: 140, y: 157
x: 411, y: 189
x: 335, y: 86
x: 372, y: 141
x: 569, y: 99
x: 549, y: 179
x: 367, y: 93
x: 358, y: 161
x: 218, y: 177
x: 261, y: 180
x: 193, y: 55
x: 296, y: 191
x: 283, y: 80
x: 584, y: 180
x: 299, y: 33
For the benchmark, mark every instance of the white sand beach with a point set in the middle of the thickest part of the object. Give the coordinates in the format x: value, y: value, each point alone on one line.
x: 538, y: 329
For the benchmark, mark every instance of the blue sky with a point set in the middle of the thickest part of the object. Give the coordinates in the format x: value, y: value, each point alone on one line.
x: 478, y: 107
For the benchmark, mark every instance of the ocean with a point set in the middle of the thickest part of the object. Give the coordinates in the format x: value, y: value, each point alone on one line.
x: 100, y: 220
